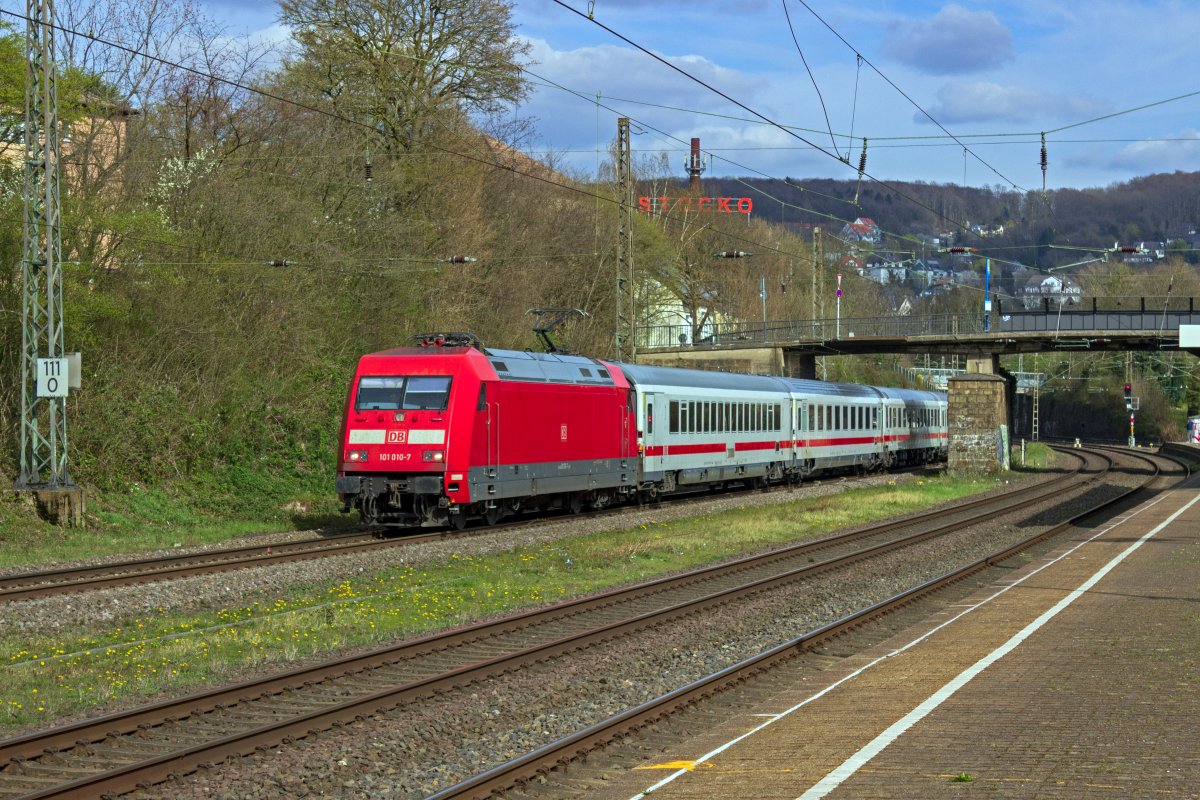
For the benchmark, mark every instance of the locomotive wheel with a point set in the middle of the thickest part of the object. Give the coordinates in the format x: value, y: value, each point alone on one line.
x: 575, y: 504
x: 459, y: 521
x: 492, y: 515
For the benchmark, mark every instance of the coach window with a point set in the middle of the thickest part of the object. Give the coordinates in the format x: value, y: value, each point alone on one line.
x: 673, y: 417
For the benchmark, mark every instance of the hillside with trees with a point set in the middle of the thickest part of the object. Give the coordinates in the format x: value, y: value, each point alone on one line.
x: 1156, y: 208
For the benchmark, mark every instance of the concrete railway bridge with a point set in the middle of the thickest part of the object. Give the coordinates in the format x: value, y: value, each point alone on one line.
x: 981, y: 398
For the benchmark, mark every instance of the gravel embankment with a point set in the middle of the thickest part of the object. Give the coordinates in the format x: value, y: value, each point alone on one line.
x: 415, y: 751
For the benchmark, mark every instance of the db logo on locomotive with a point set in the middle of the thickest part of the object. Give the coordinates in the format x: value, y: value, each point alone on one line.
x: 397, y: 437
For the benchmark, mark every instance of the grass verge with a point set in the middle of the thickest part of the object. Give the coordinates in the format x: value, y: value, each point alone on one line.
x: 144, y: 519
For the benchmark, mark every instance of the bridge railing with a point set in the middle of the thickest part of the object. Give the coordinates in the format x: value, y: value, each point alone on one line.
x: 1159, y: 314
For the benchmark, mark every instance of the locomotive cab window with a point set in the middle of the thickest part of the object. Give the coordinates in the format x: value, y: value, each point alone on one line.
x: 383, y: 394
x: 426, y: 393
x: 378, y: 393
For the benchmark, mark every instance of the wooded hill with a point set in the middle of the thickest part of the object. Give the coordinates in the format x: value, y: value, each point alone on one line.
x: 1159, y: 208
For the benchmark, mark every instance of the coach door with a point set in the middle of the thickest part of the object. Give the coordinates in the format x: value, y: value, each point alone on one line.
x: 654, y: 430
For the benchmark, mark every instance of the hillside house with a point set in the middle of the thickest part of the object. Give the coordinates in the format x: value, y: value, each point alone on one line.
x: 863, y: 230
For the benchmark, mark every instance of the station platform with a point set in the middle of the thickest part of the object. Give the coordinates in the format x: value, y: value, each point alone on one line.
x: 1077, y: 676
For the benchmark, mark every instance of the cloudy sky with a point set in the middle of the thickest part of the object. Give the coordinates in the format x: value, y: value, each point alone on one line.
x: 995, y: 75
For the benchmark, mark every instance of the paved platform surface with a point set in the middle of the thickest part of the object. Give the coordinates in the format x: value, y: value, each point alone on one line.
x: 1077, y: 676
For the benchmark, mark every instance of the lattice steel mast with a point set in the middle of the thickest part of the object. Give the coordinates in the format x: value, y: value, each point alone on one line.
x: 43, y: 419
x: 626, y: 314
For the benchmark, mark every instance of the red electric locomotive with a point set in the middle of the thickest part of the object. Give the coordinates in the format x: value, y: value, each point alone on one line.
x: 445, y: 432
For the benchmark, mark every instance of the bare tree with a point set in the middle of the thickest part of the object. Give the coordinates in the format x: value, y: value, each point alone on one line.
x: 398, y: 66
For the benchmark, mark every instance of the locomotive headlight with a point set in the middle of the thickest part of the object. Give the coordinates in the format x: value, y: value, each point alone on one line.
x: 398, y: 416
x: 356, y: 455
x: 433, y: 455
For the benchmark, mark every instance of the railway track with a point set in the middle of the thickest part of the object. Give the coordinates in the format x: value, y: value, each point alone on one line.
x: 120, y: 751
x: 31, y: 585
x: 539, y: 764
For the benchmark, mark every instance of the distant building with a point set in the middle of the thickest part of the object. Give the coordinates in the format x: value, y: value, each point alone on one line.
x: 863, y: 229
x: 1059, y: 290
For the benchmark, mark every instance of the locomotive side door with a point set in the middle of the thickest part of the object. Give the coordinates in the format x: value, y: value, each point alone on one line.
x: 493, y: 430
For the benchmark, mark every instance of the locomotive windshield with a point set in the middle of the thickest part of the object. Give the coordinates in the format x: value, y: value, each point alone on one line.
x: 402, y: 393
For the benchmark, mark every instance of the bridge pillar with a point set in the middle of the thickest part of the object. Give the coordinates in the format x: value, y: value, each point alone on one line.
x: 983, y: 364
x: 798, y: 364
x: 978, y: 422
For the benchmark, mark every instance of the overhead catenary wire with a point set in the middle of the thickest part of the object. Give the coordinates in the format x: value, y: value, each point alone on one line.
x: 829, y: 125
x: 904, y: 94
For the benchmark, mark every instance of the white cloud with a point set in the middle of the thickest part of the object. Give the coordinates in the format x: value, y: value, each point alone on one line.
x: 953, y: 41
x: 1179, y: 151
x: 981, y: 101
